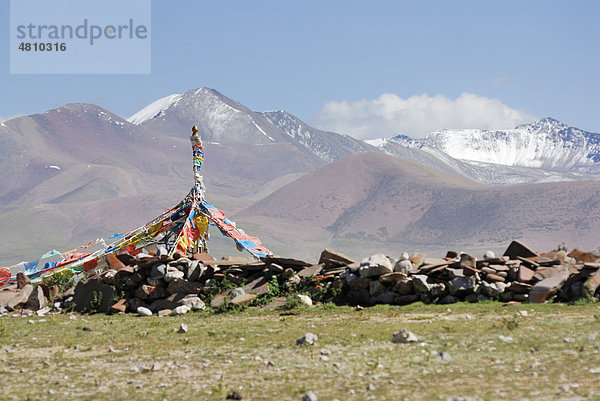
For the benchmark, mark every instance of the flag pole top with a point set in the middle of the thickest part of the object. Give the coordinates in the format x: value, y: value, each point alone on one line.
x: 194, y: 130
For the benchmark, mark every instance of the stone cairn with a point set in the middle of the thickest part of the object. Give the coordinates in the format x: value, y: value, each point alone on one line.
x: 164, y: 285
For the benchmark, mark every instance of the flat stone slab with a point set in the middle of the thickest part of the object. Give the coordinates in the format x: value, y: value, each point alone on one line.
x: 331, y: 257
x: 549, y: 286
x: 20, y: 298
x: 259, y: 286
x: 525, y: 274
x: 393, y: 277
x: 288, y: 262
x: 276, y: 303
x: 311, y: 271
x: 6, y: 296
x: 243, y: 299
x: 516, y: 249
x: 218, y: 300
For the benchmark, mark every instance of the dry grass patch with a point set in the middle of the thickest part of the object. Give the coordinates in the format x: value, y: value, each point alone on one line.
x: 550, y: 353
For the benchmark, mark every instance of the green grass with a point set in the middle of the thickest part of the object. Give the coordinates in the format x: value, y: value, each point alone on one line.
x: 255, y: 353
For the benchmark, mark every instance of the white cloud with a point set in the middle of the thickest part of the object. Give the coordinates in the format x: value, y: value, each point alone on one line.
x: 416, y: 116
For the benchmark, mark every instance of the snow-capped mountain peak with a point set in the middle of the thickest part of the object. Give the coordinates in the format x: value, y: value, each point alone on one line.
x: 154, y: 109
x: 547, y: 144
x: 545, y: 124
x: 224, y: 120
x: 544, y: 150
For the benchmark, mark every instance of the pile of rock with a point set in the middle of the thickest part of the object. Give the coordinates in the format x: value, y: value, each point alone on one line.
x: 519, y: 275
x: 163, y: 285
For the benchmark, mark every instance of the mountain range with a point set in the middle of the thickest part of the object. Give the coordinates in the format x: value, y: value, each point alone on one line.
x: 369, y: 202
x: 542, y: 151
x: 80, y: 172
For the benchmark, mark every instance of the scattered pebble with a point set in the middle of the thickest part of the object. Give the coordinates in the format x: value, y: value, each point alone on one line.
x: 183, y: 328
x: 310, y: 396
x: 404, y: 336
x: 565, y: 388
x: 505, y: 339
x: 234, y: 395
x: 181, y: 310
x: 305, y: 299
x: 308, y: 338
x: 143, y: 311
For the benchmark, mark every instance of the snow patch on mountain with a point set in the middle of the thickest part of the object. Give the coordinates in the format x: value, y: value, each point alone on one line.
x: 327, y: 146
x: 543, y: 151
x: 547, y: 144
x: 377, y: 142
x: 262, y: 131
x: 154, y: 109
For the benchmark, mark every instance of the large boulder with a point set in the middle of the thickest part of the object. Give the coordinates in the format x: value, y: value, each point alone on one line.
x: 5, y: 297
x: 22, y: 280
x: 403, y: 266
x: 462, y: 286
x: 375, y: 266
x: 173, y: 273
x: 404, y: 287
x: 20, y: 298
x: 194, y: 270
x: 549, y: 286
x: 36, y: 300
x: 93, y: 295
x: 516, y: 249
x: 592, y: 284
x: 334, y: 258
x: 421, y: 284
x: 258, y: 286
x: 493, y: 290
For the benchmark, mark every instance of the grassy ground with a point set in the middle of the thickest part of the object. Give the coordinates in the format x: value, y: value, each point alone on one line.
x: 552, y: 354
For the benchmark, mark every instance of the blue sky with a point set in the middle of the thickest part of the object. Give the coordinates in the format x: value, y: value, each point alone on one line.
x: 368, y: 68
